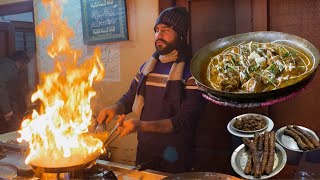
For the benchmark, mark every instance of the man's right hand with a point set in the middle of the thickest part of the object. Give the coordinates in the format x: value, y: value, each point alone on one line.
x: 108, y: 113
x: 128, y: 126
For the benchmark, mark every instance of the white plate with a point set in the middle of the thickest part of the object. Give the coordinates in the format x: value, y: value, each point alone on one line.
x: 249, y: 115
x: 240, y: 155
x: 248, y: 135
x: 288, y: 142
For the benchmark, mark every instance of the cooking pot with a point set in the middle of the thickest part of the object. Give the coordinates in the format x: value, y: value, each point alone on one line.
x: 87, y: 163
x: 201, y: 59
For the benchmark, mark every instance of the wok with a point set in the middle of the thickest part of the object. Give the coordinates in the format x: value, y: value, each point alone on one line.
x: 87, y: 163
x: 63, y: 169
x: 201, y: 59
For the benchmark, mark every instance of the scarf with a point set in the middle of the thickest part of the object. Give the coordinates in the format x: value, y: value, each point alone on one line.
x: 172, y: 92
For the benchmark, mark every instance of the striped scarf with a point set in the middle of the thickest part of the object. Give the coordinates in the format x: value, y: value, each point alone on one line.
x: 176, y: 73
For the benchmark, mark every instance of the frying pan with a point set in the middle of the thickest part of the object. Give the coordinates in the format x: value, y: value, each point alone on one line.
x: 201, y: 59
x: 87, y: 164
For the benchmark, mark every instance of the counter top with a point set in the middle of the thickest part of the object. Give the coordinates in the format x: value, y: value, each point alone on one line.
x: 295, y: 163
x: 125, y: 171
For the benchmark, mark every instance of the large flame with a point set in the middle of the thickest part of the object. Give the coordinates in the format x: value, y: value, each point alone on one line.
x: 59, y: 130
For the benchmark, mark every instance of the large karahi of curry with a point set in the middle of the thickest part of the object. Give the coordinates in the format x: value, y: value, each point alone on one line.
x: 257, y: 67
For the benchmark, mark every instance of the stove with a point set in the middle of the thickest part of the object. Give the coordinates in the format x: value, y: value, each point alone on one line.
x: 12, y: 166
x: 93, y: 172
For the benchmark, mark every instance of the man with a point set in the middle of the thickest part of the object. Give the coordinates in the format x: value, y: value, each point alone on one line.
x: 12, y: 102
x: 165, y: 97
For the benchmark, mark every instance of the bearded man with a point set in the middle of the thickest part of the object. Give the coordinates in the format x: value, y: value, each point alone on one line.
x: 165, y: 98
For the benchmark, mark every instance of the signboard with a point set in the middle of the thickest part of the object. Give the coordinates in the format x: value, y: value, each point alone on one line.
x: 104, y: 21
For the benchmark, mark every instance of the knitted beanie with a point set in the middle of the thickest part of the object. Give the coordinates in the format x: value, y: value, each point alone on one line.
x: 175, y: 17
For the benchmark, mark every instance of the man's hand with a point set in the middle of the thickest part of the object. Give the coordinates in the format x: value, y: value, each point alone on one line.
x: 108, y: 113
x: 9, y: 116
x: 128, y: 126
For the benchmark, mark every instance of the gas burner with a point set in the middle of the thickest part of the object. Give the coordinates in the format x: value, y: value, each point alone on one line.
x: 60, y: 176
x: 77, y: 174
x: 12, y: 165
x: 13, y: 157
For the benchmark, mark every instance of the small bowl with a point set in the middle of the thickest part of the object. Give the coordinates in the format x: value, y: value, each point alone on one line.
x: 248, y: 115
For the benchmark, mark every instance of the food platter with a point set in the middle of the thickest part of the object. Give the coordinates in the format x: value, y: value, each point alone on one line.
x: 251, y: 134
x: 240, y: 155
x: 288, y: 142
x: 201, y: 60
x: 250, y: 119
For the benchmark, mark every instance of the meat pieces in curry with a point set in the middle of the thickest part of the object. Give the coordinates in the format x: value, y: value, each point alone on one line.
x: 253, y: 67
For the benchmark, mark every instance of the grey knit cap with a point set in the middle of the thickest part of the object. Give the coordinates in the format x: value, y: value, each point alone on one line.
x: 177, y: 18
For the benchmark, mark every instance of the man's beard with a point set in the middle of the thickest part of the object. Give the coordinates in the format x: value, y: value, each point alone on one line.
x: 169, y: 47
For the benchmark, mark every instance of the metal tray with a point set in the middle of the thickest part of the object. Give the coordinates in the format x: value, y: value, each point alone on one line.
x: 288, y: 142
x: 265, y: 118
x: 240, y: 155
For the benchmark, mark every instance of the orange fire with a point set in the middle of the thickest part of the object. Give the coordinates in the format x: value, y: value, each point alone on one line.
x: 59, y: 131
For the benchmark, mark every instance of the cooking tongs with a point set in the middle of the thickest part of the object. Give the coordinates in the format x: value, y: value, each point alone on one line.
x: 109, y: 139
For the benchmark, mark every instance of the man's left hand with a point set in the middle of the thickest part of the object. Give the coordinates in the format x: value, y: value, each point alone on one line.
x: 128, y: 126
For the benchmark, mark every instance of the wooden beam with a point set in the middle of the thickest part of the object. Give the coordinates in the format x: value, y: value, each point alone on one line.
x: 12, y: 38
x: 183, y: 3
x: 4, y: 25
x: 259, y: 15
x: 16, y: 8
x: 23, y: 26
x: 164, y: 4
x: 243, y: 12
